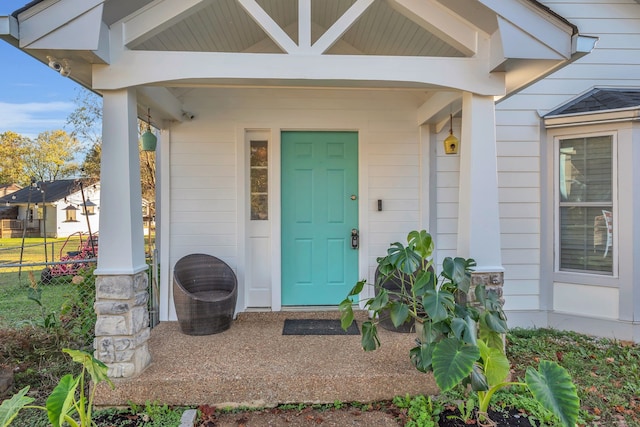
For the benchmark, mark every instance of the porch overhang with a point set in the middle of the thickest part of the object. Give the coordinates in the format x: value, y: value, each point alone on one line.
x: 487, y: 47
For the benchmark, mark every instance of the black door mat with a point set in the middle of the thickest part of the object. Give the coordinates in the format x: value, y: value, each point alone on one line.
x: 317, y: 327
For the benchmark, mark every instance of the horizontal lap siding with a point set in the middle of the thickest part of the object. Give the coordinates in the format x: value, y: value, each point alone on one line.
x: 614, y: 62
x: 204, y: 214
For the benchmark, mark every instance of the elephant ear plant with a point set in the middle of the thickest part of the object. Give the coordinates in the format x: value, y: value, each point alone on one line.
x: 461, y: 330
x: 68, y: 398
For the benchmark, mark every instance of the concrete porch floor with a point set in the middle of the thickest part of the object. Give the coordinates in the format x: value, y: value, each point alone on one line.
x: 253, y: 364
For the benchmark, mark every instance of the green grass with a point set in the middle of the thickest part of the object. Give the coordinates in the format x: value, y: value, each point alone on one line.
x: 15, y: 306
x: 606, y: 372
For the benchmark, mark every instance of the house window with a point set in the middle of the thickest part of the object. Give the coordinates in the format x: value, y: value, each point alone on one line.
x: 585, y: 208
x: 259, y: 175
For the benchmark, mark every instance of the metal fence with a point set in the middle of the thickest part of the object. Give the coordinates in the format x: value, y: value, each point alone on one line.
x: 28, y: 267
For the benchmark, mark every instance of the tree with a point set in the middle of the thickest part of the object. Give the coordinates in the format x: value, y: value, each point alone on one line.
x: 86, y: 122
x: 13, y: 149
x: 51, y: 156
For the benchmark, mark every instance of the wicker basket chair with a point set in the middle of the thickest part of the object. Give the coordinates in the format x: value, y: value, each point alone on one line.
x: 205, y: 290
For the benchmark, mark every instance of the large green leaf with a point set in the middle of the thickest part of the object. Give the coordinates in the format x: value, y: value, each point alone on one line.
x: 458, y: 270
x: 346, y: 313
x: 478, y: 379
x: 404, y: 258
x: 452, y: 362
x: 425, y: 281
x: 399, y: 312
x: 495, y: 363
x: 437, y: 304
x: 464, y: 328
x: 494, y: 322
x: 551, y: 385
x: 422, y: 242
x: 60, y: 401
x: 11, y: 407
x: 491, y: 338
x: 96, y: 369
x: 370, y: 339
x: 380, y: 301
x: 421, y: 356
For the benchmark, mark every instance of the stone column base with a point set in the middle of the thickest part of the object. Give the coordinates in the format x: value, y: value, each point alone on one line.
x: 493, y: 283
x: 122, y: 326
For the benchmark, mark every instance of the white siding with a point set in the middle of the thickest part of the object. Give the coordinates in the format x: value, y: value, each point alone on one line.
x: 524, y: 202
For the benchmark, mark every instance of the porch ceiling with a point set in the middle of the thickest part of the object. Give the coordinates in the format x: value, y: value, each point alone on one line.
x: 225, y: 26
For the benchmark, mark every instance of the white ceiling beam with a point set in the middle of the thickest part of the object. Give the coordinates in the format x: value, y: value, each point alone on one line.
x: 333, y: 34
x: 56, y: 15
x: 442, y: 22
x: 160, y: 100
x: 156, y: 17
x: 85, y: 32
x: 269, y: 26
x: 543, y: 26
x: 432, y: 109
x: 135, y: 68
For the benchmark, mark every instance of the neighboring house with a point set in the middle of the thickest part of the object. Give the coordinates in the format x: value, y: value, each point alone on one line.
x: 286, y: 124
x: 53, y: 209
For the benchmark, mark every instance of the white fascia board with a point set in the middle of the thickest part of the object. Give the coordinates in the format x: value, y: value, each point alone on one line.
x: 593, y: 117
x: 9, y: 28
x: 516, y: 43
x: 548, y: 29
x: 134, y: 68
x: 36, y: 26
x: 82, y: 33
x: 439, y: 20
x: 156, y: 17
x: 269, y: 26
x: 331, y: 36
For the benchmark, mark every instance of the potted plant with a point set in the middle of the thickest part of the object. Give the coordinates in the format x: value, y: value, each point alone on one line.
x: 461, y: 339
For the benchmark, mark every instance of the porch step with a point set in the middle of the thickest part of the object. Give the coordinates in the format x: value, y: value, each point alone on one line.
x: 253, y: 364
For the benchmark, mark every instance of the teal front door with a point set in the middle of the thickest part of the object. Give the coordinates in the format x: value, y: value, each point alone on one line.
x: 319, y: 212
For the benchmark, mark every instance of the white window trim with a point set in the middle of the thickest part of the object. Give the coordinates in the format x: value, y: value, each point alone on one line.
x: 575, y: 276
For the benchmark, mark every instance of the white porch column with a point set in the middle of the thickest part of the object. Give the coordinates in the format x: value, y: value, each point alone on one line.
x: 122, y: 327
x: 478, y: 214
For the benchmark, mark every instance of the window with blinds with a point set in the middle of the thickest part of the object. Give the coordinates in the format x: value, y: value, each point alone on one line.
x: 586, y: 204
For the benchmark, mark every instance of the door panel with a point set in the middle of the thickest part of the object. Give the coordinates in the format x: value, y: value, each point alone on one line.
x: 319, y: 178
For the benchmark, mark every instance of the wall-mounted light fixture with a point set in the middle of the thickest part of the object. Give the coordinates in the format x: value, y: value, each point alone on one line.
x: 451, y: 142
x: 148, y: 139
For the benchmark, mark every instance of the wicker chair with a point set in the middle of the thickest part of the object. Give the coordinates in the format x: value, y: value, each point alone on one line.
x: 205, y: 290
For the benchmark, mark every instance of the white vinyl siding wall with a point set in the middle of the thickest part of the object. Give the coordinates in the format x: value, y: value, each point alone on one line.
x: 526, y: 178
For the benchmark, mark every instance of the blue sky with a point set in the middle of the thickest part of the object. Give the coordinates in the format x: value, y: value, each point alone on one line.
x: 33, y: 97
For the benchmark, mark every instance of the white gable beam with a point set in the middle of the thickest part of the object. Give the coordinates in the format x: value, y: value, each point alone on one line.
x: 542, y: 26
x: 433, y: 108
x: 135, y: 68
x: 269, y: 26
x: 331, y: 36
x: 304, y: 24
x: 57, y: 15
x: 439, y: 20
x: 157, y: 17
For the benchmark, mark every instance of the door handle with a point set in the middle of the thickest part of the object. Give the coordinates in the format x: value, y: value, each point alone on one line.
x: 355, y: 238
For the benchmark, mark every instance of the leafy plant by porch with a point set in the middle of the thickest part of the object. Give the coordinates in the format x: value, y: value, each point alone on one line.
x: 461, y: 334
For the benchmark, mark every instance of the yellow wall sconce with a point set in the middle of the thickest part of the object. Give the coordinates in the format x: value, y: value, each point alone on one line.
x: 451, y: 142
